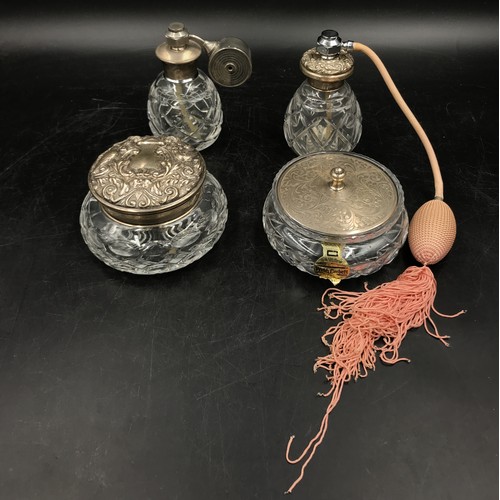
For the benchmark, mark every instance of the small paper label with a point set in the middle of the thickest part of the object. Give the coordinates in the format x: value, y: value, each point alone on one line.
x: 331, y: 265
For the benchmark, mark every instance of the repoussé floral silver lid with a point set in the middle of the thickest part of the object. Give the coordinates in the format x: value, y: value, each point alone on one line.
x: 145, y: 180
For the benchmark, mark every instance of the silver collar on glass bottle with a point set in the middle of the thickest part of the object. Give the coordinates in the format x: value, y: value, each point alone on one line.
x: 328, y: 64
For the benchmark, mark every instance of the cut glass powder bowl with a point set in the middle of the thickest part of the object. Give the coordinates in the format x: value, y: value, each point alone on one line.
x: 336, y: 215
x: 152, y: 206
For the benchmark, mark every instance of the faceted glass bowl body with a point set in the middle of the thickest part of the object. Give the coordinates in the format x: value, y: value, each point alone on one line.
x: 322, y: 120
x: 188, y: 109
x: 365, y: 253
x: 156, y: 249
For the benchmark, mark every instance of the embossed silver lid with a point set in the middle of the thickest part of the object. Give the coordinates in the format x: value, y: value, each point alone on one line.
x: 147, y: 180
x: 337, y: 194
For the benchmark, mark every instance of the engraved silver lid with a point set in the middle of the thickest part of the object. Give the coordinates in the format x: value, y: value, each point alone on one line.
x: 337, y: 194
x: 147, y: 180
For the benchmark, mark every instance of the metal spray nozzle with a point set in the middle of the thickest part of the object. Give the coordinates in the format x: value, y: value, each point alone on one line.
x: 229, y: 59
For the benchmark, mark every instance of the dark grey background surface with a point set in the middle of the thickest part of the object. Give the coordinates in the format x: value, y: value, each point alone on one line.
x: 188, y: 385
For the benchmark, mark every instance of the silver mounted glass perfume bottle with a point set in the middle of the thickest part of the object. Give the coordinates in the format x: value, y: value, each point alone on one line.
x: 336, y: 215
x: 324, y: 114
x: 183, y: 101
x: 152, y: 206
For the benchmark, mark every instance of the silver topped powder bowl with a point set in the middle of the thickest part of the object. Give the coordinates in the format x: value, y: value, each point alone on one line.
x: 336, y: 215
x: 152, y: 206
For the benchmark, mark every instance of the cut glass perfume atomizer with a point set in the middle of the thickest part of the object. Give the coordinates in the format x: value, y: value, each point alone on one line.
x: 152, y: 207
x: 324, y: 114
x: 338, y: 215
x: 183, y: 101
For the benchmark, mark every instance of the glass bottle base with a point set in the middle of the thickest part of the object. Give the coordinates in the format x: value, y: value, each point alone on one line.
x: 363, y: 257
x: 156, y: 249
x: 318, y: 120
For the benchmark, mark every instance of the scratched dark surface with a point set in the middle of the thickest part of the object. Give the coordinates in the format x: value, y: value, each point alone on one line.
x: 188, y: 385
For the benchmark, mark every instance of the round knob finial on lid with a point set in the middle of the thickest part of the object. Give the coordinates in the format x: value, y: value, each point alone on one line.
x: 338, y: 177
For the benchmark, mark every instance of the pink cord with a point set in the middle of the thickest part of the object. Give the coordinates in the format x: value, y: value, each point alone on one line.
x: 436, y: 171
